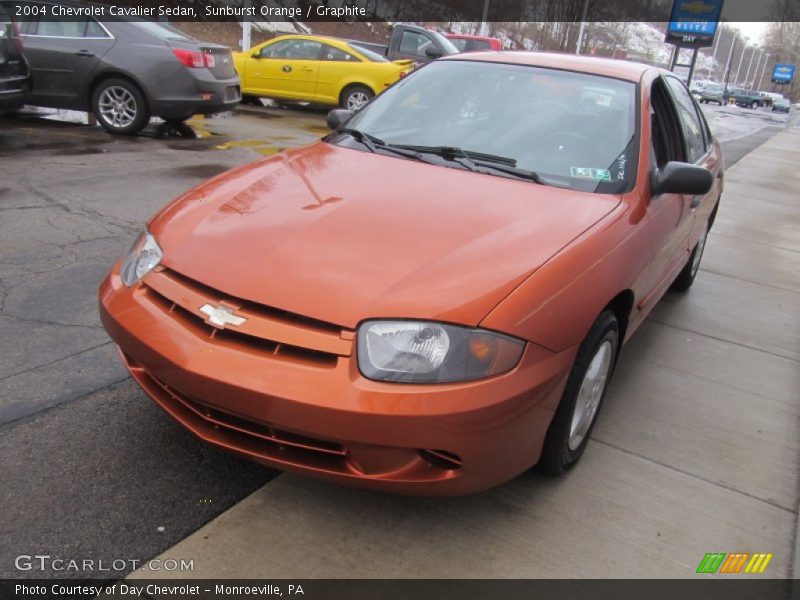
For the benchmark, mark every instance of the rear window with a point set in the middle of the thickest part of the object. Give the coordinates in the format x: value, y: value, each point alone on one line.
x: 370, y: 55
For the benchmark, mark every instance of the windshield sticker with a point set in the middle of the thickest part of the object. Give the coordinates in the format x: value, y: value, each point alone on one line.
x: 589, y: 173
x: 621, y: 162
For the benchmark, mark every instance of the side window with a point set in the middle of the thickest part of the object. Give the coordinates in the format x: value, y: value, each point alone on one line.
x: 459, y: 43
x: 413, y: 43
x: 95, y: 30
x: 476, y: 45
x: 334, y: 54
x: 27, y: 27
x: 665, y: 134
x: 293, y: 50
x: 690, y: 121
x: 85, y: 28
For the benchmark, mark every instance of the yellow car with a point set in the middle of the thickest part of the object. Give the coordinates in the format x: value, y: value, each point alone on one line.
x: 316, y: 69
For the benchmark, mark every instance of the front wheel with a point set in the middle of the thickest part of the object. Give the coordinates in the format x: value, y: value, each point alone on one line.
x: 355, y: 97
x: 120, y: 107
x: 576, y: 414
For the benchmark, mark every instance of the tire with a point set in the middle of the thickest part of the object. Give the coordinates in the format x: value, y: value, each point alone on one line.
x: 354, y: 97
x: 120, y: 107
x: 594, y: 365
x: 686, y: 277
x: 250, y: 100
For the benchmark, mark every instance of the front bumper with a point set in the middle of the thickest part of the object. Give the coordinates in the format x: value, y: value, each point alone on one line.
x: 312, y: 412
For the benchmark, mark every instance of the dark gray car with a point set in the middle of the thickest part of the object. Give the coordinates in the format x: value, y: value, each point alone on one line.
x: 127, y: 71
x: 15, y: 76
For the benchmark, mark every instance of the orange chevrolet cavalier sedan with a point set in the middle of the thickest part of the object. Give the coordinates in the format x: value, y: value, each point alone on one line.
x: 432, y: 298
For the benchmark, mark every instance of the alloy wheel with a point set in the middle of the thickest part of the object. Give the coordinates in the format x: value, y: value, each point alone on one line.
x: 117, y: 106
x: 590, y: 394
x: 357, y: 100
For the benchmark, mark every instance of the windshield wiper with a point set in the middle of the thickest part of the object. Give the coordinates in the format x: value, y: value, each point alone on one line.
x: 365, y: 138
x: 475, y: 160
x: 374, y: 143
x: 453, y: 151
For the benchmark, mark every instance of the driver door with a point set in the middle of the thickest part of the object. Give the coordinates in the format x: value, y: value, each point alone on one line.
x: 669, y: 216
x: 286, y: 69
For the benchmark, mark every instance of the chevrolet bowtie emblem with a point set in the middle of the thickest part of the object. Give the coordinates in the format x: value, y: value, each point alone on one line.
x: 220, y: 315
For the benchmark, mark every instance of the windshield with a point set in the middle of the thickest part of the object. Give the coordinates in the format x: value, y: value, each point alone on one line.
x: 571, y: 129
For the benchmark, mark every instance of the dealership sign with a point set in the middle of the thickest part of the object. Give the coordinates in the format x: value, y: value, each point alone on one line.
x: 693, y: 23
x: 782, y: 74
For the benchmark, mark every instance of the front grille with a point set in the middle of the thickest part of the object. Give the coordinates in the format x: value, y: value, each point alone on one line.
x: 267, y: 331
x: 244, y: 434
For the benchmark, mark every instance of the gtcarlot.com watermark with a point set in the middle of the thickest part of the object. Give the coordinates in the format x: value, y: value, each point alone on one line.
x: 46, y: 562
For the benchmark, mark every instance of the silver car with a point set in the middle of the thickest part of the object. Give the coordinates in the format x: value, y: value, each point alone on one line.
x: 126, y: 71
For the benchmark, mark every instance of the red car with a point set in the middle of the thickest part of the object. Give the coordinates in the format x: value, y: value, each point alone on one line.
x: 432, y: 298
x: 474, y: 43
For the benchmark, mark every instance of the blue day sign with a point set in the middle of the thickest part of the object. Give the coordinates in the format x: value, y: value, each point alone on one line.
x: 695, y: 18
x: 783, y: 73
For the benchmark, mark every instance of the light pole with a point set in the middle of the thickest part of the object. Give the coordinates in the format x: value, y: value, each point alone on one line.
x: 714, y: 54
x: 582, y: 29
x: 741, y: 60
x: 755, y: 71
x: 763, y: 69
x: 485, y: 18
x: 749, y: 65
x: 727, y: 73
x: 246, y: 26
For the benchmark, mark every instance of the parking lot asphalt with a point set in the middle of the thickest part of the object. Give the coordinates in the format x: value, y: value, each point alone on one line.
x: 696, y: 450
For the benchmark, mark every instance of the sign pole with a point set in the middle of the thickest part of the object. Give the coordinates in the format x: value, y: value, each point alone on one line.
x: 691, y: 67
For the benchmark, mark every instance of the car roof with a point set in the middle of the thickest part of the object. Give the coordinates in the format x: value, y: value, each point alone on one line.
x: 333, y: 41
x: 619, y: 69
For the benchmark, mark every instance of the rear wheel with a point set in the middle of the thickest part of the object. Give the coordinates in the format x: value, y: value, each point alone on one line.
x: 576, y: 414
x: 355, y: 97
x: 120, y: 107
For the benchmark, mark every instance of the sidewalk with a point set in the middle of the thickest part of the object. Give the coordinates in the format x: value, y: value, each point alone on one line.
x: 697, y: 449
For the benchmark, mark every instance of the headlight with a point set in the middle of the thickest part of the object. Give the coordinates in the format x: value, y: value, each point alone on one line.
x: 144, y: 257
x: 427, y: 352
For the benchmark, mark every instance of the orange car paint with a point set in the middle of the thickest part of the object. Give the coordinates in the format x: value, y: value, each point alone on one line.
x: 313, y: 241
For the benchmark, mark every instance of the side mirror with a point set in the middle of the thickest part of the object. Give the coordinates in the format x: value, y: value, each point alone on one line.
x: 338, y: 117
x: 255, y: 55
x: 433, y: 52
x: 681, y: 178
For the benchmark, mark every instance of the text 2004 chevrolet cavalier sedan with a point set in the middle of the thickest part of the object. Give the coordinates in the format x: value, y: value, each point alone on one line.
x: 432, y: 298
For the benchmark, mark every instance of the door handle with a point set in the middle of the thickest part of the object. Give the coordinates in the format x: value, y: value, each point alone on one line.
x: 84, y: 54
x: 695, y: 202
x: 306, y: 69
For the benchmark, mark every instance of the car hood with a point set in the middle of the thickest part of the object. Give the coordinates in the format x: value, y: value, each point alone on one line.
x: 342, y: 235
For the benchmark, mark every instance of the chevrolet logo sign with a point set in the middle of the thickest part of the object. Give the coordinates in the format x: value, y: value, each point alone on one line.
x: 697, y: 7
x: 221, y: 316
